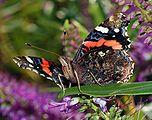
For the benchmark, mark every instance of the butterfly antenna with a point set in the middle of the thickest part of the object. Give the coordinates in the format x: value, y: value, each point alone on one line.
x: 64, y: 39
x: 41, y: 49
x: 64, y: 33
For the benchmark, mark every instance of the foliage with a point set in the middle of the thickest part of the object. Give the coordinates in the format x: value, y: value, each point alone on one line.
x: 136, y: 88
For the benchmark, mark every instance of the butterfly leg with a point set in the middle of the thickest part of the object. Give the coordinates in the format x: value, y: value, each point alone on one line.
x: 94, y: 77
x: 69, y: 85
x: 78, y: 81
x: 61, y: 84
x: 64, y: 40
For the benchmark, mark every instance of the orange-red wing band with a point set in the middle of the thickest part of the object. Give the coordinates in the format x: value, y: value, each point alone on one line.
x: 45, y: 66
x: 109, y: 43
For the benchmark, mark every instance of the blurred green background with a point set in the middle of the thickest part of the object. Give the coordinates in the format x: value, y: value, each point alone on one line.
x: 40, y: 22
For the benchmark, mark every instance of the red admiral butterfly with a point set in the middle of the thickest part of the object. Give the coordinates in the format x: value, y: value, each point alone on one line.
x: 102, y: 58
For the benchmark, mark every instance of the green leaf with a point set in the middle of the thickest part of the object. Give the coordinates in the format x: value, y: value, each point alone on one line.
x: 136, y: 88
x: 88, y: 115
x: 82, y: 30
x: 96, y: 7
x: 66, y: 24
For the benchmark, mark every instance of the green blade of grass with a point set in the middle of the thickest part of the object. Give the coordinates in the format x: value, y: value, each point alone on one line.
x: 136, y: 88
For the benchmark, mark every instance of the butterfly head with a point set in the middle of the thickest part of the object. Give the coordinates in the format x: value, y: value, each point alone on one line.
x: 116, y: 21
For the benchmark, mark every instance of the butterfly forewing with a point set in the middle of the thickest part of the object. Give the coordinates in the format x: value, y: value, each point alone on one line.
x: 103, y: 56
x: 48, y: 69
x: 111, y: 34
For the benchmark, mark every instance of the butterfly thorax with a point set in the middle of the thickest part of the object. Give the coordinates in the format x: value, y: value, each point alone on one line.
x: 68, y: 69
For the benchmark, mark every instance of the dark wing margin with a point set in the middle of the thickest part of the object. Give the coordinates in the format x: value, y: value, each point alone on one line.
x: 45, y: 68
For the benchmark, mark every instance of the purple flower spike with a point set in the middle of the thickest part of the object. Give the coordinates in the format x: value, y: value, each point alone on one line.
x: 102, y: 103
x: 23, y: 101
x: 66, y: 104
x: 142, y: 51
x: 69, y: 106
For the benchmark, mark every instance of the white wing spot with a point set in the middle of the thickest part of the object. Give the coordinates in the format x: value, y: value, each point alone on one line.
x: 42, y: 75
x: 49, y: 78
x: 129, y: 45
x: 28, y: 68
x: 116, y: 30
x: 102, y: 29
x: 128, y: 39
x: 31, y: 66
x: 18, y: 64
x: 113, y: 36
x: 15, y: 61
x: 35, y: 71
x: 126, y: 34
x: 29, y: 59
x: 133, y: 65
x: 101, y: 54
x: 130, y: 58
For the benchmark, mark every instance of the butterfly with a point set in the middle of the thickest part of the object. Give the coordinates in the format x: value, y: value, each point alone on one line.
x: 101, y: 58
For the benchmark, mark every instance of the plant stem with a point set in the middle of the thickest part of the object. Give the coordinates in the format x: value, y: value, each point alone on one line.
x: 143, y: 11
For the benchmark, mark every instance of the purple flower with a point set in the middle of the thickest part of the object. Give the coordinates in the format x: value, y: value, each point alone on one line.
x: 21, y: 100
x: 69, y: 106
x: 2, y: 1
x: 142, y: 52
x: 142, y: 48
x: 66, y: 104
x: 102, y: 103
x: 129, y: 7
x: 146, y: 73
